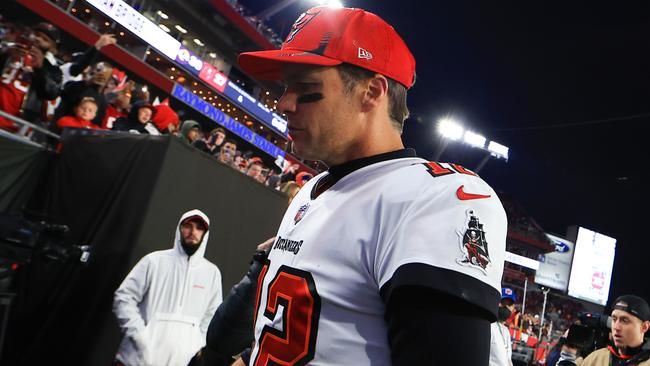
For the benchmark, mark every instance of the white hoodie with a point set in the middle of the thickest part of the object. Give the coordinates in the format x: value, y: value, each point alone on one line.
x: 165, y: 304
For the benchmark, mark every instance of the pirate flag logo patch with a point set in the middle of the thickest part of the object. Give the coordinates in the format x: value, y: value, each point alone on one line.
x: 473, y: 245
x: 300, y: 23
x: 301, y: 213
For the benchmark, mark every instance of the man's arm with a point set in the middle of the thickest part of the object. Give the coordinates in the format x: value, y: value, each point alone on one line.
x: 47, y: 79
x: 231, y: 328
x: 129, y: 295
x: 88, y: 57
x: 427, y: 327
x: 215, y: 301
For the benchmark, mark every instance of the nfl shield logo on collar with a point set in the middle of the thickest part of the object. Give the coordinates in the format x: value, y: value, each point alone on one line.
x: 301, y: 213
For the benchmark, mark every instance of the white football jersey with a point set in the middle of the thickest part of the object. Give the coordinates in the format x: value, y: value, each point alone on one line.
x: 393, y: 221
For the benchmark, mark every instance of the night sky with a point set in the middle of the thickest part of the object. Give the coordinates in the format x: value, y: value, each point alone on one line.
x: 566, y: 85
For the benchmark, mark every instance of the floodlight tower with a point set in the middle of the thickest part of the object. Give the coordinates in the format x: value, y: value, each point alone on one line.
x: 451, y: 130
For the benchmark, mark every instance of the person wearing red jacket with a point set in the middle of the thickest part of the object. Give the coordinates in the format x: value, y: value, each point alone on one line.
x: 85, y: 112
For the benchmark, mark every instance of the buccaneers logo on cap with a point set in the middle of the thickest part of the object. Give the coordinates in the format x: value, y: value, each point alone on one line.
x: 473, y: 244
x: 300, y: 23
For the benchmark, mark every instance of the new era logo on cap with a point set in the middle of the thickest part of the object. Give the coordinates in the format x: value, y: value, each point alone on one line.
x: 364, y: 54
x: 326, y: 36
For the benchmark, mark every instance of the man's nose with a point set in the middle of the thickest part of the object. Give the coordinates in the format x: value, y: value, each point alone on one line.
x: 287, y: 103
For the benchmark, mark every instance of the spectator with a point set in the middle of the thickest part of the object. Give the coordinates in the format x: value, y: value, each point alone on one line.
x: 290, y: 173
x: 218, y: 136
x: 30, y: 74
x: 303, y: 177
x: 138, y: 120
x: 290, y: 188
x: 72, y: 71
x: 574, y: 340
x: 501, y: 343
x: 190, y: 131
x: 227, y: 152
x: 118, y: 107
x: 140, y: 93
x: 255, y: 168
x: 229, y: 331
x: 74, y: 91
x: 212, y: 142
x: 273, y: 179
x: 85, y: 111
x: 165, y: 304
x: 240, y: 163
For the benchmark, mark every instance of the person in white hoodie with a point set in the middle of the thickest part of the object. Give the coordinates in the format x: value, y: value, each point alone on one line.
x: 165, y: 304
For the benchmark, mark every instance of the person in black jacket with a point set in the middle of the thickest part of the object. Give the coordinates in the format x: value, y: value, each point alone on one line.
x: 138, y: 120
x: 30, y: 74
x: 72, y: 70
x: 75, y: 91
x: 230, y: 330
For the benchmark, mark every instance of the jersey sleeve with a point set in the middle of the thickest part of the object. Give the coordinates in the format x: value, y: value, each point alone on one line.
x: 447, y: 239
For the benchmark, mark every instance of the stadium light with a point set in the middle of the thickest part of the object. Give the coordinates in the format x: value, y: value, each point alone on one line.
x: 331, y: 3
x: 499, y: 150
x: 164, y: 27
x: 450, y: 129
x: 162, y: 15
x: 181, y: 29
x: 474, y: 139
x: 198, y: 42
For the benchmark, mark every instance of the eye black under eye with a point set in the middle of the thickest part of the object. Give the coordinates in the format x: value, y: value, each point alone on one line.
x: 302, y: 86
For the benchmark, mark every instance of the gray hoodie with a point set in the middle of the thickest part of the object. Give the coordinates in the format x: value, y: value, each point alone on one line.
x: 165, y: 304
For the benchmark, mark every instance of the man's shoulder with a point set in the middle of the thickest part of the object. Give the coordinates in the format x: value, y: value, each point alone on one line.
x: 211, y: 266
x: 426, y: 180
x: 418, y: 171
x: 596, y: 357
x: 159, y: 254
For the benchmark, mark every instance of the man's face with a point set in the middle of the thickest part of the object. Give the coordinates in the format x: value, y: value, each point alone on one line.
x: 627, y: 329
x: 220, y: 137
x: 508, y: 304
x: 144, y: 115
x: 110, y: 85
x: 44, y: 42
x: 254, y: 171
x: 123, y: 100
x: 192, y: 232
x: 87, y: 111
x: 228, y: 150
x: 193, y: 134
x: 101, y: 74
x: 325, y: 128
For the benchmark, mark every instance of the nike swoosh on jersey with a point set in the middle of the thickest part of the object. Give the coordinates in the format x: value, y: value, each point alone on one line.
x: 464, y: 196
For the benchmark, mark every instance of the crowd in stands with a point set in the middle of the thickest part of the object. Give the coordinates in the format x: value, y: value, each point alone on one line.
x: 559, y: 314
x: 520, y: 222
x: 258, y: 23
x: 80, y: 90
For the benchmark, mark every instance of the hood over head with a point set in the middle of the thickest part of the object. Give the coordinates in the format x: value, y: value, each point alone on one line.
x: 187, y: 126
x: 198, y: 214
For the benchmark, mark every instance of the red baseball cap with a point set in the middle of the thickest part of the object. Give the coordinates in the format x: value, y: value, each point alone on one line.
x: 197, y: 219
x: 330, y: 36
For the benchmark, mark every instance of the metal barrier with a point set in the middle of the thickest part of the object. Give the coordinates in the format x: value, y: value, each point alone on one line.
x: 26, y: 126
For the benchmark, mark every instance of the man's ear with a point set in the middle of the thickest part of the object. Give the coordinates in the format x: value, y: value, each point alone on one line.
x: 645, y: 326
x: 376, y: 88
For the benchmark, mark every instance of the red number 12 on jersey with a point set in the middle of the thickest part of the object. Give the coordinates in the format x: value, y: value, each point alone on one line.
x: 295, y: 290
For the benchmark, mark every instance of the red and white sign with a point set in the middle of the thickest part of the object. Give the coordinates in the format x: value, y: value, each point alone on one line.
x: 213, y: 77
